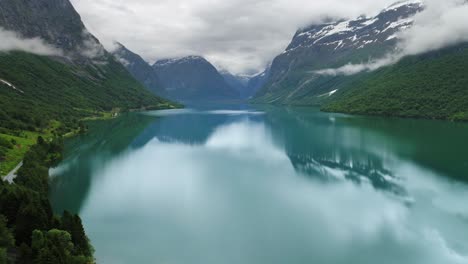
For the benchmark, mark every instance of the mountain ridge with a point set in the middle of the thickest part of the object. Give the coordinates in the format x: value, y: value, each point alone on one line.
x: 431, y: 85
x: 193, y: 78
x: 331, y: 45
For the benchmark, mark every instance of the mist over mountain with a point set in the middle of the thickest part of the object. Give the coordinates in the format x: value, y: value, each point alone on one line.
x: 56, y: 23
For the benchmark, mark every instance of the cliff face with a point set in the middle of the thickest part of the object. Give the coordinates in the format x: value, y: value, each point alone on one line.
x: 55, y: 21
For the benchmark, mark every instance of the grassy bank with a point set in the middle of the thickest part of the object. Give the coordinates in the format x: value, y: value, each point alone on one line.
x: 20, y: 144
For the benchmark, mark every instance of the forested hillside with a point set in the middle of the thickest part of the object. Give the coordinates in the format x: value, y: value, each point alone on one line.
x: 49, y: 90
x: 433, y: 85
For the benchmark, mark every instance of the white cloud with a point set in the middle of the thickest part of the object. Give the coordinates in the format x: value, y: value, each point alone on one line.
x: 242, y: 36
x: 443, y: 23
x: 11, y: 41
x: 350, y: 69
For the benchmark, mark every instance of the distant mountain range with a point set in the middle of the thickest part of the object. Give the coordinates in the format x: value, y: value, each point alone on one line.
x: 140, y: 69
x: 246, y: 85
x: 193, y: 78
x: 188, y: 79
x: 85, y: 78
x: 431, y: 85
x: 238, y: 82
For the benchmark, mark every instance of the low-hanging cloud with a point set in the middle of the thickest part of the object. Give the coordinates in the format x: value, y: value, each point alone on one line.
x: 372, y: 65
x: 441, y: 24
x: 242, y: 36
x: 11, y: 41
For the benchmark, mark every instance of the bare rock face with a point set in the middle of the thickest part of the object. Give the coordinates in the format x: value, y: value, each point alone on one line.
x: 54, y: 21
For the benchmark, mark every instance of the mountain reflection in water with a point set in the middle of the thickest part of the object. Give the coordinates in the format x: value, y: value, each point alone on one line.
x: 272, y: 185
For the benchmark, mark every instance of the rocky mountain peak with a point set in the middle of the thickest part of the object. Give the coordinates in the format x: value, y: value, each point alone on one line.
x: 358, y: 33
x: 182, y: 60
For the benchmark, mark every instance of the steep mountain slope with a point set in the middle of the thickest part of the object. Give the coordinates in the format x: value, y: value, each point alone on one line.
x: 238, y: 82
x: 55, y: 21
x: 292, y: 79
x: 193, y: 78
x: 139, y: 69
x: 84, y: 80
x: 432, y: 85
x: 247, y: 86
x: 258, y: 81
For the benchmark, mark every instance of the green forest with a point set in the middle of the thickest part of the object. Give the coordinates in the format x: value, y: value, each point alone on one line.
x: 30, y: 232
x: 51, y: 98
x: 51, y: 90
x: 431, y: 86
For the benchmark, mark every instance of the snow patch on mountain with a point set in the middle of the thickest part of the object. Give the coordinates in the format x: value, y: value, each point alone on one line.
x: 360, y: 32
x: 370, y: 21
x: 400, y: 24
x: 437, y: 26
x: 187, y: 59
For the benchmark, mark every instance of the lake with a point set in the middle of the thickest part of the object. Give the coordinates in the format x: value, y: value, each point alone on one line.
x: 268, y: 185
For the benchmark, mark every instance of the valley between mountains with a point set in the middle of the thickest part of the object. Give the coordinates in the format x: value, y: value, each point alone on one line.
x: 352, y: 101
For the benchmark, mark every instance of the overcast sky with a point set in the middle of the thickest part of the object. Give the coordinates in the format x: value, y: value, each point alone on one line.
x: 239, y: 35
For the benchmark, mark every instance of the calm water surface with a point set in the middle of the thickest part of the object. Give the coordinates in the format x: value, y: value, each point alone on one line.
x: 268, y: 185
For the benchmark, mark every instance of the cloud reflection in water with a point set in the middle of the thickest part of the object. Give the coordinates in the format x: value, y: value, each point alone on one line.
x: 237, y: 198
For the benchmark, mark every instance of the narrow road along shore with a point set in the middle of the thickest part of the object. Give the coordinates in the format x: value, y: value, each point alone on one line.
x: 12, y: 175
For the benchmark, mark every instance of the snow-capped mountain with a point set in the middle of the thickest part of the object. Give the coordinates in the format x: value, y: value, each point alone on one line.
x: 193, y: 78
x: 331, y: 45
x: 360, y: 32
